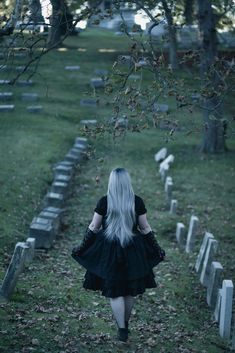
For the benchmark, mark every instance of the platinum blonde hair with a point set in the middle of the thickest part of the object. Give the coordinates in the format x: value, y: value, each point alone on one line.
x: 121, y: 207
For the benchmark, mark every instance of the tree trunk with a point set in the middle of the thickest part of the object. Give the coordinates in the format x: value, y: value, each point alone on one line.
x: 35, y: 11
x: 173, y: 58
x: 188, y: 11
x: 214, y: 124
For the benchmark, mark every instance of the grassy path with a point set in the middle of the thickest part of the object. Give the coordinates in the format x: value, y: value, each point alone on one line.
x: 50, y: 312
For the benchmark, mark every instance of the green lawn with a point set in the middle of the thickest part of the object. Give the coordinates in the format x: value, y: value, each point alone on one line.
x: 49, y: 311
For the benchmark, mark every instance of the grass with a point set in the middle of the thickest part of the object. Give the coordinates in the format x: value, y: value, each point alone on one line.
x: 49, y: 311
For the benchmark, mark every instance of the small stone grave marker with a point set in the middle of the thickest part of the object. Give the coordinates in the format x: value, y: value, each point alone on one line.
x: 193, y: 225
x: 81, y: 140
x: 54, y: 199
x: 44, y: 234
x: 173, y: 206
x: 226, y: 309
x: 165, y: 164
x: 34, y: 108
x: 7, y: 107
x: 5, y: 82
x: 30, y: 242
x: 62, y: 169
x: 24, y: 83
x: 97, y: 82
x: 32, y: 97
x: 162, y: 108
x: 88, y: 102
x: 62, y: 178
x: 202, y: 251
x: 181, y: 234
x: 6, y: 96
x: 215, y: 282
x: 72, y: 158
x: 160, y: 155
x: 101, y: 72
x: 54, y: 217
x: 72, y: 68
x: 89, y: 122
x: 60, y: 187
x: 209, y: 257
x: 125, y: 60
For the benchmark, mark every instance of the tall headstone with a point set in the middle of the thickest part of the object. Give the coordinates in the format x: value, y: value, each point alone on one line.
x: 202, y: 251
x: 15, y: 268
x: 218, y: 306
x: 181, y: 234
x: 215, y: 282
x: 30, y: 253
x: 226, y: 309
x: 193, y: 225
x: 173, y: 207
x: 160, y: 155
x: 169, y: 189
x: 209, y: 257
x: 163, y: 172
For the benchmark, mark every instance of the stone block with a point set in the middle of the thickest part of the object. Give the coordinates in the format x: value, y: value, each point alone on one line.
x: 226, y: 309
x: 134, y: 77
x: 81, y: 140
x: 6, y: 96
x: 5, y: 82
x: 29, y: 97
x: 7, y: 108
x: 53, y: 217
x: 101, y: 72
x: 54, y: 199
x: 193, y: 225
x: 72, y: 68
x: 166, y: 163
x: 209, y: 257
x: 72, y: 158
x: 173, y: 206
x: 181, y: 234
x: 15, y: 268
x: 214, y: 284
x: 202, y: 251
x: 63, y: 169
x: 91, y: 122
x: 88, y: 103
x: 218, y: 306
x: 24, y: 83
x: 162, y: 108
x: 63, y: 178
x: 97, y: 82
x: 53, y: 210
x: 163, y: 172
x: 44, y: 234
x: 60, y: 187
x: 34, y: 108
x: 160, y: 155
x: 30, y: 242
x: 126, y: 60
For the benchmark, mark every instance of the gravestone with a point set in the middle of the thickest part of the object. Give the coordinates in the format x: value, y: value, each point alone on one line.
x: 4, y: 68
x: 181, y: 234
x: 31, y: 97
x: 60, y: 187
x: 20, y: 68
x: 63, y: 178
x: 202, y: 251
x: 173, y: 206
x: 218, y: 306
x: 160, y: 155
x: 62, y: 169
x: 168, y: 179
x: 6, y: 96
x: 7, y: 107
x: 169, y: 189
x: 5, y: 82
x: 54, y: 199
x: 81, y: 140
x: 15, y: 268
x: 90, y: 122
x: 143, y: 62
x: 101, y: 72
x: 125, y: 60
x: 163, y: 172
x: 73, y: 158
x: 193, y: 225
x: 44, y: 234
x: 65, y: 164
x: 166, y: 163
x: 134, y: 77
x: 53, y: 210
x: 215, y: 282
x: 97, y: 82
x: 89, y: 102
x: 54, y: 217
x: 162, y: 108
x: 30, y: 242
x: 209, y: 257
x: 24, y: 83
x: 76, y: 151
x: 72, y: 68
x: 195, y: 97
x: 34, y: 108
x: 226, y: 309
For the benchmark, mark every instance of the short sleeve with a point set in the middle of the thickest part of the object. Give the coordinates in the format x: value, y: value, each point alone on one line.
x: 101, y: 207
x: 139, y: 206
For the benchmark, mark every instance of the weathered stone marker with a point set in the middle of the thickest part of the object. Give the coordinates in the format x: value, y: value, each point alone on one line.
x: 54, y: 217
x: 226, y: 309
x: 173, y: 206
x: 218, y: 306
x: 101, y: 72
x: 164, y: 172
x: 31, y: 97
x: 88, y: 102
x: 60, y: 187
x: 5, y: 82
x: 165, y: 164
x: 202, y: 252
x: 168, y: 189
x: 72, y: 158
x: 54, y: 199
x: 209, y: 257
x: 72, y: 68
x: 215, y: 282
x: 24, y: 83
x: 61, y: 169
x: 163, y: 108
x: 81, y: 140
x: 181, y: 234
x: 6, y: 96
x: 62, y: 178
x: 193, y: 225
x: 34, y: 108
x: 7, y: 108
x: 97, y: 82
x: 30, y: 252
x: 90, y: 122
x: 43, y: 233
x: 15, y: 267
x: 160, y: 155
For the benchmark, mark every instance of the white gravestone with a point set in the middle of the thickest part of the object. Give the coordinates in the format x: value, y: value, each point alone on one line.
x: 7, y: 107
x: 30, y: 253
x: 15, y: 268
x: 81, y: 140
x: 226, y: 309
x: 173, y: 207
x: 60, y: 187
x: 34, y: 108
x: 63, y: 178
x: 181, y: 234
x: 54, y: 217
x: 97, y: 82
x: 193, y: 225
x: 160, y: 155
x: 166, y: 162
x: 31, y: 97
x: 72, y: 68
x: 218, y: 306
x: 164, y: 172
x: 54, y: 199
x: 169, y: 189
x: 6, y: 96
x: 209, y: 257
x: 44, y: 235
x: 168, y: 179
x: 90, y: 122
x: 61, y: 169
x: 72, y: 158
x: 215, y: 282
x: 202, y: 251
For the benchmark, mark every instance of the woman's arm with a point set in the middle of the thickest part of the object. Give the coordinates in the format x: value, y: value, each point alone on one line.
x: 96, y: 222
x: 143, y: 224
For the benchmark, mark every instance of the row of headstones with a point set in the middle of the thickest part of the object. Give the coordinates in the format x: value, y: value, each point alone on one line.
x: 25, y: 97
x: 45, y: 227
x: 219, y: 293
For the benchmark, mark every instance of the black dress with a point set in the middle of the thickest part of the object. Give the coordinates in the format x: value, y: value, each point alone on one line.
x: 118, y: 271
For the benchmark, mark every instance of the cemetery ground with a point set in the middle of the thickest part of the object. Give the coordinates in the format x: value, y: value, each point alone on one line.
x: 49, y: 311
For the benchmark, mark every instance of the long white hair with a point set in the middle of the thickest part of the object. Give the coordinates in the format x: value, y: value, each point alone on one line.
x: 121, y: 207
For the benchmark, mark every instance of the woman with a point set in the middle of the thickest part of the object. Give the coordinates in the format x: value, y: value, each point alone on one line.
x: 119, y: 249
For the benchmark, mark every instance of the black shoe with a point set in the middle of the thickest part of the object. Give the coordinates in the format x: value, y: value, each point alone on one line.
x: 126, y: 326
x: 122, y: 334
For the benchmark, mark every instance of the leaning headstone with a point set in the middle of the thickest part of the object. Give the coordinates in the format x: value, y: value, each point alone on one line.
x: 166, y: 162
x: 193, y: 225
x: 31, y: 97
x: 15, y: 267
x: 226, y: 309
x: 160, y: 155
x: 88, y: 102
x: 181, y: 234
x: 97, y: 82
x: 54, y: 199
x: 24, y: 83
x: 44, y: 234
x: 72, y: 68
x: 30, y: 253
x: 34, y: 108
x: 202, y: 251
x: 89, y: 122
x: 7, y: 107
x: 218, y: 306
x: 6, y: 96
x: 215, y: 282
x: 162, y: 108
x: 209, y: 257
x: 173, y: 206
